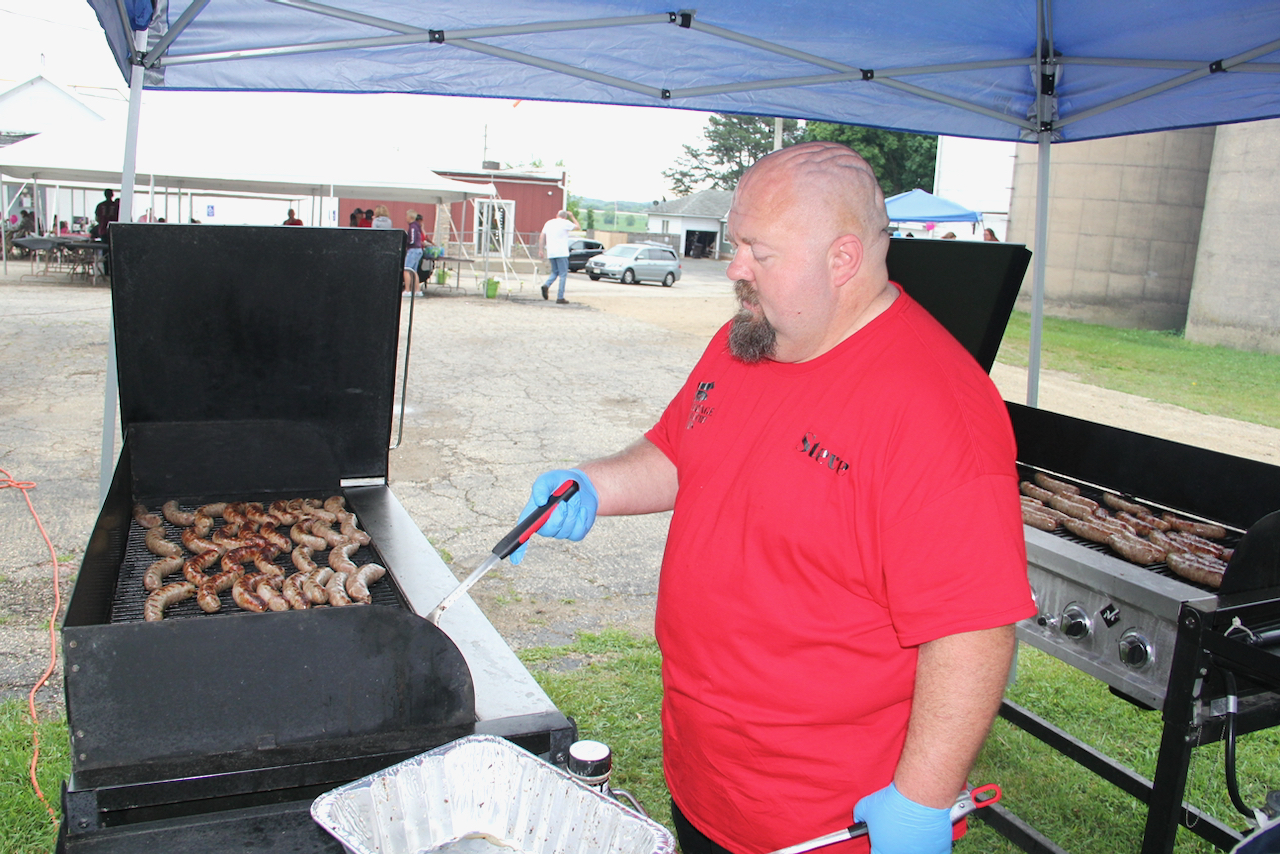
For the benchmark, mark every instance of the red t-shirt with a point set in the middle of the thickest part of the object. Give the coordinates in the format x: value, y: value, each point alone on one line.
x: 831, y: 516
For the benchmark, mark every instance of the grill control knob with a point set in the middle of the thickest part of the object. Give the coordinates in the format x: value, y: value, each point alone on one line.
x: 1135, y: 650
x: 1075, y: 622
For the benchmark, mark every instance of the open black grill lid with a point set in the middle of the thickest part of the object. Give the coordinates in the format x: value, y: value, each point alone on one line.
x: 273, y: 345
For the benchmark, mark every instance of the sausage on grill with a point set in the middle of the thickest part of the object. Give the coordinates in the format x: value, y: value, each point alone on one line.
x: 366, y: 576
x: 1135, y: 549
x: 1054, y: 485
x: 153, y: 578
x: 265, y: 587
x: 177, y: 516
x: 1036, y: 519
x: 323, y: 529
x: 153, y: 609
x: 1202, y: 570
x: 243, y: 595
x: 314, y: 586
x: 1073, y: 505
x: 1201, y: 546
x: 212, y: 510
x: 144, y: 518
x: 1089, y: 529
x: 194, y: 543
x: 194, y: 567
x: 269, y: 533
x: 303, y: 537
x: 234, y: 513
x: 347, y: 525
x: 158, y: 545
x: 340, y: 557
x: 1115, y: 502
x: 337, y: 590
x: 292, y: 592
x: 302, y: 560
x: 1037, y: 492
x: 202, y: 525
x: 207, y: 597
x: 1202, y: 529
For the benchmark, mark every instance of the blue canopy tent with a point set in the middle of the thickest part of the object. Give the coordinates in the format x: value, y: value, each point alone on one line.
x: 1025, y: 70
x: 919, y: 206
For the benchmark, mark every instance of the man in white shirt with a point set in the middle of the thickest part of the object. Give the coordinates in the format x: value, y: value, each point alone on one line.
x: 553, y: 244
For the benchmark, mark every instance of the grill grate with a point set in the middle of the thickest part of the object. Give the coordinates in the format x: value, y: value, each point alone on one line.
x: 130, y: 595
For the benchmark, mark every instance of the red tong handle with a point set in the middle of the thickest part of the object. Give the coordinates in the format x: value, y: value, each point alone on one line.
x: 524, y: 529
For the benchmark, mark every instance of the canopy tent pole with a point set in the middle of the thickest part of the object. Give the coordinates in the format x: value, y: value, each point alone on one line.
x: 127, y: 174
x: 1046, y: 114
x: 1038, y: 267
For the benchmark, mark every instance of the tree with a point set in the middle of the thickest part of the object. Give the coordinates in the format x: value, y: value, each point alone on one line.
x: 591, y: 218
x: 573, y: 205
x: 902, y: 161
x: 733, y: 144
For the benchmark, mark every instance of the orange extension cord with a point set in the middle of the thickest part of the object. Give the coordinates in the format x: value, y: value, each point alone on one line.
x: 24, y: 485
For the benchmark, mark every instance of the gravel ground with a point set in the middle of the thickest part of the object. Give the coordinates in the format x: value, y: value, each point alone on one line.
x: 499, y: 391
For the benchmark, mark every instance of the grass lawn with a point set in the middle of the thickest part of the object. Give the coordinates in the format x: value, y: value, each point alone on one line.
x: 25, y: 827
x: 1160, y: 366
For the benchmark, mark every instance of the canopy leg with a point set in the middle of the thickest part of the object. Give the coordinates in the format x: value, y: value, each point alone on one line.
x: 1038, y: 265
x: 110, y: 404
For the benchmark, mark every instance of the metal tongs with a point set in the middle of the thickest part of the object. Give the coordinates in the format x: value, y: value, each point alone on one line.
x: 974, y: 799
x: 513, y: 540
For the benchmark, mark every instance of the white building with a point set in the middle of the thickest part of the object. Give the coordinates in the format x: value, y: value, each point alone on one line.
x: 698, y: 219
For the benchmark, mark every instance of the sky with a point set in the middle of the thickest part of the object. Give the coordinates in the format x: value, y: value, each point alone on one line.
x: 611, y: 153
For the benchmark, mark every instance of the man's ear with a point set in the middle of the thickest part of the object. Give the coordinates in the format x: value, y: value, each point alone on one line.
x: 845, y: 258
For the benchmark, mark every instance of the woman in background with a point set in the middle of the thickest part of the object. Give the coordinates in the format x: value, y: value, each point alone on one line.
x: 382, y: 217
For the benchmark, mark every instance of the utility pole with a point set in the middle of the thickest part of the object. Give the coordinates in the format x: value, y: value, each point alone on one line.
x: 777, y: 134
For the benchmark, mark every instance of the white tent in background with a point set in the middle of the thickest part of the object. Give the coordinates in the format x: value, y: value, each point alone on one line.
x: 40, y: 105
x: 184, y: 157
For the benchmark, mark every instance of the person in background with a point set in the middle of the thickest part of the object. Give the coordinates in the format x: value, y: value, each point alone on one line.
x: 845, y: 560
x: 553, y: 244
x: 107, y: 212
x: 382, y: 217
x: 413, y: 255
x: 367, y: 222
x: 989, y: 235
x: 292, y: 219
x: 63, y: 228
x: 357, y: 217
x: 950, y: 235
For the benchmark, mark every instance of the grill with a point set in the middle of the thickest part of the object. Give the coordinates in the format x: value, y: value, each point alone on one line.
x: 258, y: 364
x: 1121, y: 599
x: 1155, y: 638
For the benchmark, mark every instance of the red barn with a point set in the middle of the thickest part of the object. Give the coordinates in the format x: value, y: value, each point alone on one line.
x: 524, y: 202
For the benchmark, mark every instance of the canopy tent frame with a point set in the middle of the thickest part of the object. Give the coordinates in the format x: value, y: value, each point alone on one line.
x: 1042, y: 122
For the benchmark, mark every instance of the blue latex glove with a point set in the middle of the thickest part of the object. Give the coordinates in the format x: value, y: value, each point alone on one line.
x: 898, y: 825
x: 572, y: 519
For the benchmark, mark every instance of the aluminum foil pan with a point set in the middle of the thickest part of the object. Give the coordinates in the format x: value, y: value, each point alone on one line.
x: 482, y: 795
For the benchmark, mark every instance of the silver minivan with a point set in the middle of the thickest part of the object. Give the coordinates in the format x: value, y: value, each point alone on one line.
x: 636, y: 262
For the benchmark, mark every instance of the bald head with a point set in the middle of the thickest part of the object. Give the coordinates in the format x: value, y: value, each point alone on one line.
x: 826, y: 178
x: 809, y: 228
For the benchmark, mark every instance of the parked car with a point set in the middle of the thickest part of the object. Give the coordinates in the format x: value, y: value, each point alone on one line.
x: 581, y: 251
x: 636, y: 262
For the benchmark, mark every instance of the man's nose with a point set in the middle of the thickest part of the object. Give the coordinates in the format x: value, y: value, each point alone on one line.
x: 737, y: 268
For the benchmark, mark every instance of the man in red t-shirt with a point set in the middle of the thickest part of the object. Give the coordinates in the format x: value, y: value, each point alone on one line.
x: 845, y: 559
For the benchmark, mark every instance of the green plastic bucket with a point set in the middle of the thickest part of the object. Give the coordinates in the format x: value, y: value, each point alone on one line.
x: 491, y: 289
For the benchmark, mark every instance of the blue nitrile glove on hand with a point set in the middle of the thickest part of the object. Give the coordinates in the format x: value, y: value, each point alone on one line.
x: 571, y: 519
x: 898, y: 825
